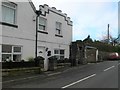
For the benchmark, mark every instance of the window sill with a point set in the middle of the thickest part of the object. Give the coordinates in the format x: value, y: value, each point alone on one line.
x: 8, y: 24
x: 58, y: 35
x: 43, y: 32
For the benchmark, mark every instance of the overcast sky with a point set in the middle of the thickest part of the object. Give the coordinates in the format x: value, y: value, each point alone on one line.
x: 90, y: 17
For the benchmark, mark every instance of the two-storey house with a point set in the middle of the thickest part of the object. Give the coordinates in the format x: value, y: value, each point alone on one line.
x: 54, y: 33
x: 18, y: 33
x: 17, y: 36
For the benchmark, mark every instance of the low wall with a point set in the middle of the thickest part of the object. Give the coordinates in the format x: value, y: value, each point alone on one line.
x: 91, y: 55
x: 104, y: 55
x: 22, y: 71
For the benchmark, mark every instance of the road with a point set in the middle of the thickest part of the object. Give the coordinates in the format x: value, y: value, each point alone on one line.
x: 94, y: 75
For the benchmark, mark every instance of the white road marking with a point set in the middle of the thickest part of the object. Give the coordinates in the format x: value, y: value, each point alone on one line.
x: 109, y: 68
x: 54, y: 74
x: 79, y: 81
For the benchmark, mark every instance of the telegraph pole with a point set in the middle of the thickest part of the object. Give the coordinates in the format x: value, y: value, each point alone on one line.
x: 108, y: 34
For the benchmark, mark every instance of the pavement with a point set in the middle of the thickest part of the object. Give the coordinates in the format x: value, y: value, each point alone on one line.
x: 42, y: 75
x: 92, y: 75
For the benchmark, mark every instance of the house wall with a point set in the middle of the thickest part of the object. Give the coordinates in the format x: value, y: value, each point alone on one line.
x: 51, y: 41
x: 24, y: 35
x: 0, y: 53
x: 0, y: 34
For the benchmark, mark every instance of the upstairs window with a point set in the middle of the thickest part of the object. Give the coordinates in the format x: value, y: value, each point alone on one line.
x: 9, y: 12
x: 42, y: 24
x: 58, y: 28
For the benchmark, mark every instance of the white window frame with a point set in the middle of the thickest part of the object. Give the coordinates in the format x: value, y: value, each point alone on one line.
x: 62, y: 54
x: 10, y: 7
x: 45, y: 26
x: 0, y: 53
x: 58, y: 29
x: 12, y: 53
x: 58, y: 54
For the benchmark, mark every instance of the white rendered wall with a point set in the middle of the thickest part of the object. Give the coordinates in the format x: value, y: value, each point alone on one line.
x: 51, y: 41
x: 0, y: 48
x: 0, y: 33
x: 24, y: 35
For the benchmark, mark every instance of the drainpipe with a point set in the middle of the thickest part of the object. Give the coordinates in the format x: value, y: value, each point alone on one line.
x: 38, y: 14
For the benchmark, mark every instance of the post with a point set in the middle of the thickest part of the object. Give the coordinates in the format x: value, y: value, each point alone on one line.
x: 108, y: 34
x: 96, y: 55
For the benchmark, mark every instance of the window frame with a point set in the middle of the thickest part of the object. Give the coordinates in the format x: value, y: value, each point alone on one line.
x: 59, y: 54
x: 44, y: 26
x: 58, y: 30
x: 12, y: 53
x: 12, y: 6
x: 17, y: 52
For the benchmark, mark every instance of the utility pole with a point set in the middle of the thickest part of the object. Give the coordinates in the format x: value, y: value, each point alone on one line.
x: 108, y: 34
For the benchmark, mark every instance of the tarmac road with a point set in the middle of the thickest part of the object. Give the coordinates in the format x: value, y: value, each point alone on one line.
x: 94, y: 75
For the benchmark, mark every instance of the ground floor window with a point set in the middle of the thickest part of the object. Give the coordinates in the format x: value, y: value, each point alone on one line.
x: 59, y: 53
x: 0, y: 53
x: 10, y: 52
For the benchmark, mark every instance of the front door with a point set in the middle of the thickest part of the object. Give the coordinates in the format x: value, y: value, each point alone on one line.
x: 41, y: 52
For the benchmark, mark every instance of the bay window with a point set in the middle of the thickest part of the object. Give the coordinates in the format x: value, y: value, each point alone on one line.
x: 10, y: 52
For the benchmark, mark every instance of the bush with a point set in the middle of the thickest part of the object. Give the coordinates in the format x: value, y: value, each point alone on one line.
x: 30, y: 59
x: 66, y: 60
x: 22, y: 60
x: 60, y: 61
x: 52, y: 58
x: 39, y: 60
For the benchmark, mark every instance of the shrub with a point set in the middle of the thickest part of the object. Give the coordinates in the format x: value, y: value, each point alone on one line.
x: 67, y: 60
x: 30, y: 59
x: 39, y: 58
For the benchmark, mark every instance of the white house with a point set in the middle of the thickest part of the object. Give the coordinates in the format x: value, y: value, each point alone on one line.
x: 18, y: 33
x: 18, y: 30
x: 54, y: 33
